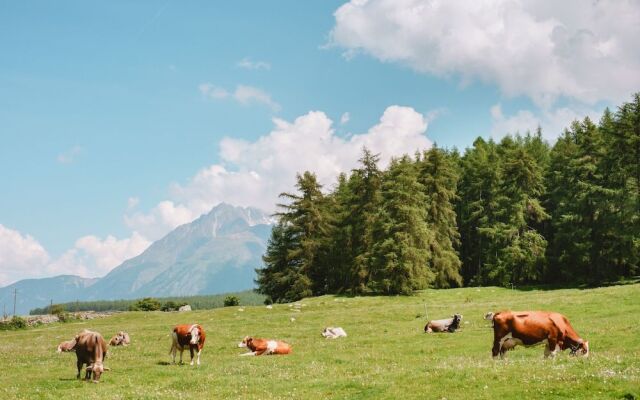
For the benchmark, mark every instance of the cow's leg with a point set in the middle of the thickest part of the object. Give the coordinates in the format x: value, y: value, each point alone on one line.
x: 547, y: 351
x: 251, y: 353
x: 79, y: 365
x: 552, y: 344
x: 181, y: 351
x: 199, y: 351
x: 191, y: 352
x: 497, y: 345
x: 87, y: 376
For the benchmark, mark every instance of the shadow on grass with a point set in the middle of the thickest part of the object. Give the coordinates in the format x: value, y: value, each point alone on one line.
x: 68, y: 379
x: 165, y: 363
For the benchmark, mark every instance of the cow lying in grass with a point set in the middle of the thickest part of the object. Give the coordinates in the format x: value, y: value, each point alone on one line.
x: 120, y: 339
x: 67, y: 346
x: 191, y: 336
x: 444, y: 325
x: 91, y: 349
x: 333, y: 333
x: 260, y: 347
x: 528, y: 328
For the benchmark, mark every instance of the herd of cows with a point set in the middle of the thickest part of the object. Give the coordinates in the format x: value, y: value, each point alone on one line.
x: 510, y: 328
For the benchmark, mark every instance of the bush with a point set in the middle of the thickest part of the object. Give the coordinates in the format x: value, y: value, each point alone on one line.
x: 230, y: 301
x: 56, y: 309
x: 14, y: 323
x: 66, y: 317
x: 146, y: 304
x: 169, y: 306
x: 268, y: 301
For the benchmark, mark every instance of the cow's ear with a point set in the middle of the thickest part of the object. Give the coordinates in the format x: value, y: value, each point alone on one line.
x: 107, y: 369
x: 90, y: 368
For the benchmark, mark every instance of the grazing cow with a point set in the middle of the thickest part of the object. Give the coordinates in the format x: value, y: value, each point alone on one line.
x: 259, y: 347
x: 333, y: 333
x: 187, y: 335
x: 444, y: 325
x: 67, y: 346
x: 120, y: 339
x: 528, y: 328
x: 91, y: 349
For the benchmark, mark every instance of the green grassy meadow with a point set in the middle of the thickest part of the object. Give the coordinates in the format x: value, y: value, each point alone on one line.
x: 386, y: 355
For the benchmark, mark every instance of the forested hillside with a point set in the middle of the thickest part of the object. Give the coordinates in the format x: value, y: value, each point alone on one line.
x: 518, y: 211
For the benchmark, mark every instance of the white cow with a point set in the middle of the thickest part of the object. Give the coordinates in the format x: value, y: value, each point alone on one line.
x: 333, y: 333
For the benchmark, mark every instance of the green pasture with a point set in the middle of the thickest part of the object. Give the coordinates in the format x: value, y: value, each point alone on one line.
x: 386, y: 354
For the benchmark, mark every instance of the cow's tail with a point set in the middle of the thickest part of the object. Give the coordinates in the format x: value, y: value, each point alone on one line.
x: 174, y: 342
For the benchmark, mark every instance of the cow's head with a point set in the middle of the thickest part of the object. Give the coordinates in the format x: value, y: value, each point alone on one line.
x: 326, y: 332
x: 97, y: 369
x: 455, y: 323
x: 245, y: 342
x: 581, y: 348
x: 195, y: 334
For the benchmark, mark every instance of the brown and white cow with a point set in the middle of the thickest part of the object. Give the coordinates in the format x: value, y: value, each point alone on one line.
x: 528, y: 328
x: 120, y: 339
x: 91, y: 349
x: 260, y: 347
x: 191, y: 336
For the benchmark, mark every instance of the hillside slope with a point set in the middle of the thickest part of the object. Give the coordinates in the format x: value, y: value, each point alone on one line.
x: 39, y: 292
x: 216, y: 253
x: 385, y: 356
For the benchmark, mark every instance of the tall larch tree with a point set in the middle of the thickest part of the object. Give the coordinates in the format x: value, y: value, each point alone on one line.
x: 438, y: 175
x: 400, y: 255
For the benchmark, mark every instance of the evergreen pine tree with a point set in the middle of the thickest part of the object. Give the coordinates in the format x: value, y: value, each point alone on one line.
x: 438, y: 175
x: 400, y: 256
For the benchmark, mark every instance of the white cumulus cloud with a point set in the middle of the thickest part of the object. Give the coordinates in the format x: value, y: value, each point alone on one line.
x: 22, y: 256
x: 247, y: 63
x: 254, y: 173
x: 582, y: 50
x: 552, y: 122
x: 243, y: 94
x: 70, y: 155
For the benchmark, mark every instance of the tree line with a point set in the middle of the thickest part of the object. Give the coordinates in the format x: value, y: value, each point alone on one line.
x: 518, y: 211
x: 204, y: 302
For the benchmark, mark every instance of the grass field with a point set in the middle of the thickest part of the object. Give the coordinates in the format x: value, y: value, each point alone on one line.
x: 386, y: 355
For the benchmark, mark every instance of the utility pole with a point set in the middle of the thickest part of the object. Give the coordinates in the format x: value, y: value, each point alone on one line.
x: 15, y: 294
x: 51, y: 307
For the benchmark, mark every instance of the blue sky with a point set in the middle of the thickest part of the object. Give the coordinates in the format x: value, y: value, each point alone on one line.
x: 113, y: 115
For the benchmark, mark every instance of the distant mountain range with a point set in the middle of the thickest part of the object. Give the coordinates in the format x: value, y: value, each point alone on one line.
x: 216, y: 253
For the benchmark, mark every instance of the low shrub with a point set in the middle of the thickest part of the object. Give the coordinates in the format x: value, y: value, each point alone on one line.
x: 230, y: 301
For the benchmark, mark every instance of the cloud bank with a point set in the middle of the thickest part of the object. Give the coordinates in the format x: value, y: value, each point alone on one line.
x: 255, y: 173
x: 22, y: 256
x: 585, y: 51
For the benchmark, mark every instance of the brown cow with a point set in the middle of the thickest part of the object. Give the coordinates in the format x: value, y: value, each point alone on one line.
x: 187, y: 335
x: 120, y: 339
x: 66, y: 346
x: 259, y: 347
x: 527, y: 328
x: 91, y: 349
